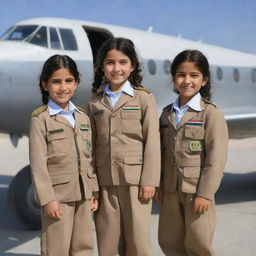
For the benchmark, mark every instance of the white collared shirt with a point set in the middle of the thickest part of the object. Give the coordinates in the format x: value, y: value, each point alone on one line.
x: 55, y: 109
x: 115, y: 96
x: 194, y: 103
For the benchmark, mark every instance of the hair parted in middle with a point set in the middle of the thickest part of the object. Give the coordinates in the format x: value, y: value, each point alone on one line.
x: 53, y: 64
x: 127, y: 47
x: 200, y: 61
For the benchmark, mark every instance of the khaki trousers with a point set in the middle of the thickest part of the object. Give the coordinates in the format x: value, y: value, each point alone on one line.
x: 182, y: 232
x: 123, y: 222
x: 72, y: 235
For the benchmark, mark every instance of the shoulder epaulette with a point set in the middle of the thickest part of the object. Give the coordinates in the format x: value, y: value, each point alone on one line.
x: 39, y: 110
x: 81, y: 109
x: 142, y: 89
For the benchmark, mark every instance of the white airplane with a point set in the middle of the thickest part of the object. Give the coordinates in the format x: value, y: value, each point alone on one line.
x: 27, y: 44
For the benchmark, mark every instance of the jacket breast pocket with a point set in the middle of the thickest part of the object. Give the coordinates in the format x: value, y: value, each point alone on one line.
x: 194, y: 132
x: 57, y: 143
x: 131, y: 121
x: 132, y: 169
x: 190, y: 179
x: 86, y: 144
x: 194, y: 140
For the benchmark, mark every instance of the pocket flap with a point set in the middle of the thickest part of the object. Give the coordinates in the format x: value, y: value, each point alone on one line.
x: 60, y: 179
x: 191, y: 172
x: 130, y: 114
x: 56, y: 136
x: 194, y: 132
x: 133, y: 160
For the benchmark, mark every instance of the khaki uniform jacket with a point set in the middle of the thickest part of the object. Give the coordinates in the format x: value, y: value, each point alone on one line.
x: 194, y: 154
x: 60, y: 157
x: 126, y: 139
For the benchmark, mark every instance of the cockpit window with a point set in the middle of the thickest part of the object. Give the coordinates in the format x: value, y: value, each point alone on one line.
x: 68, y: 39
x: 50, y: 37
x: 19, y: 32
x: 54, y: 39
x: 40, y: 37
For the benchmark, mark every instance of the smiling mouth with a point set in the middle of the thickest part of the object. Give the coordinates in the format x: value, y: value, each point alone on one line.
x: 117, y: 75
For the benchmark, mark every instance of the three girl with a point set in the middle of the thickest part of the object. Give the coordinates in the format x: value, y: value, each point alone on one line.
x: 61, y: 163
x: 194, y: 141
x: 127, y: 150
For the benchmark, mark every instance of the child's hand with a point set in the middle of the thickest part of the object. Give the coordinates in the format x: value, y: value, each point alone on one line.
x: 159, y: 196
x: 200, y: 205
x: 53, y: 210
x: 94, y: 204
x: 146, y: 192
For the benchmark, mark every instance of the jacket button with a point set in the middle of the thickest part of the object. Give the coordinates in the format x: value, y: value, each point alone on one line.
x: 113, y: 115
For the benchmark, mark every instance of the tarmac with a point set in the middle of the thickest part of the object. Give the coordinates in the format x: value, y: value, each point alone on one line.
x: 236, y: 204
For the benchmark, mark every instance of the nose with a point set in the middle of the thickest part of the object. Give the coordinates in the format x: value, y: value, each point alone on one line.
x: 62, y: 86
x: 187, y: 79
x: 116, y: 67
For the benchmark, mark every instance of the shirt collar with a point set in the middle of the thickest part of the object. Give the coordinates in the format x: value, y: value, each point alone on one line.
x: 127, y: 88
x: 55, y: 109
x: 194, y: 103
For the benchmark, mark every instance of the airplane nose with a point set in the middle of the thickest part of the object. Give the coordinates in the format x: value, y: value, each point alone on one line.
x: 20, y: 67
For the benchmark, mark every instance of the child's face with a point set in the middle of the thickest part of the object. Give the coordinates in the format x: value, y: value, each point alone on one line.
x: 61, y: 87
x: 188, y: 80
x: 117, y: 68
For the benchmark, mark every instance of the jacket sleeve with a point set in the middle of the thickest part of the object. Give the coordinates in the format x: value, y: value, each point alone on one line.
x: 93, y: 130
x: 38, y: 161
x: 151, y: 139
x: 216, y: 148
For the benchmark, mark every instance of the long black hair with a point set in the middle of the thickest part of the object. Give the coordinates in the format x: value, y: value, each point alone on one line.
x: 201, y: 62
x: 52, y: 64
x: 127, y: 47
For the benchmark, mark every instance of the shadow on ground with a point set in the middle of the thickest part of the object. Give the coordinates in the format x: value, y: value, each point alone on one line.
x: 12, y: 233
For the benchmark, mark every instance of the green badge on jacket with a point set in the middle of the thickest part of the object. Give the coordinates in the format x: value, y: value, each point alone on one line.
x: 88, y: 145
x: 195, y: 145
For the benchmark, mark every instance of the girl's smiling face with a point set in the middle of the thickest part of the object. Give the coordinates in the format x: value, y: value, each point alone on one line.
x: 117, y: 68
x: 188, y: 80
x: 61, y: 86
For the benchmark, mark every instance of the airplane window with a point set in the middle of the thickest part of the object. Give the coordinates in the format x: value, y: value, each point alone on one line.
x: 40, y: 37
x: 219, y: 73
x: 236, y: 74
x: 254, y: 75
x: 167, y: 67
x: 54, y: 39
x: 19, y: 32
x: 68, y: 39
x: 152, y: 67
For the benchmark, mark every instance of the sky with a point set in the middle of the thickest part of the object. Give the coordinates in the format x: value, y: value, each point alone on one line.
x: 226, y: 23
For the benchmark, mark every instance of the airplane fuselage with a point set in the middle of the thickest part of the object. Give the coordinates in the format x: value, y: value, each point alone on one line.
x: 233, y: 72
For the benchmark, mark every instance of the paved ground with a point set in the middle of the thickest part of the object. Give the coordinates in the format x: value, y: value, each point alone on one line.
x: 236, y: 204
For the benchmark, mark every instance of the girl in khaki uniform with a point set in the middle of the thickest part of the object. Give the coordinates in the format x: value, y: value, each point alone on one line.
x: 127, y: 147
x: 194, y: 141
x: 61, y: 163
